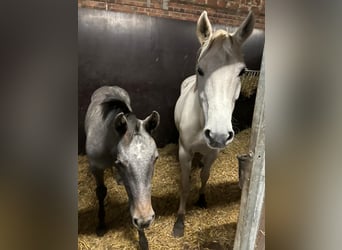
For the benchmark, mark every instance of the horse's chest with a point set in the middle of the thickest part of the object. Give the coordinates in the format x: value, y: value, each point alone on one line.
x: 199, y: 145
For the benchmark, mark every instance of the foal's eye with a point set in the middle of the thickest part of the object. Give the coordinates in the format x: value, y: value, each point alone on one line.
x: 200, y: 71
x: 242, y: 71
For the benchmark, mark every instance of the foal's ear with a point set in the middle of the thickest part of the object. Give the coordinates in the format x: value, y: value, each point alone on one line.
x: 151, y: 122
x: 245, y: 29
x: 120, y: 123
x: 204, y: 30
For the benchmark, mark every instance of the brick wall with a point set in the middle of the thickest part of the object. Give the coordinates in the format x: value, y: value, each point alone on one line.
x: 226, y: 12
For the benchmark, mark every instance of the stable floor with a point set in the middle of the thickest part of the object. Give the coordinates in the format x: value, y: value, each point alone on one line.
x: 211, y: 228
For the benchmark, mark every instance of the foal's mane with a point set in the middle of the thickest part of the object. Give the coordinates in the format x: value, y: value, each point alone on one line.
x: 113, y: 104
x: 133, y: 128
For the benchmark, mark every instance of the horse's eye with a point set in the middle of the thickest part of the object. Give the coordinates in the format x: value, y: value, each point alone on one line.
x: 118, y: 163
x: 242, y: 71
x: 200, y: 71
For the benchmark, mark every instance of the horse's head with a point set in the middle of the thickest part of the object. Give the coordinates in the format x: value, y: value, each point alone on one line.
x: 136, y: 155
x: 219, y: 67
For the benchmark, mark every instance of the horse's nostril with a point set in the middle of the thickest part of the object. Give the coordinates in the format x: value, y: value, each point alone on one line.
x: 207, y: 133
x: 146, y: 224
x: 230, y: 135
x: 140, y: 223
x: 135, y: 221
x: 153, y: 216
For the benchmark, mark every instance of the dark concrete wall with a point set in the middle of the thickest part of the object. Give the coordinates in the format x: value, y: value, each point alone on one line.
x: 147, y: 56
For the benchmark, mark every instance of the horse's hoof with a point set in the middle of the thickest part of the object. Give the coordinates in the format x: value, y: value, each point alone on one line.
x: 178, y: 228
x: 178, y: 231
x: 101, y: 230
x: 202, y: 203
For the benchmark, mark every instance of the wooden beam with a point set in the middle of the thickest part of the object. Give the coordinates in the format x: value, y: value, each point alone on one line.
x: 253, y: 192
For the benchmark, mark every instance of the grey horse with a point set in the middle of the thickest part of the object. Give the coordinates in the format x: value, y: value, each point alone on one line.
x: 116, y: 138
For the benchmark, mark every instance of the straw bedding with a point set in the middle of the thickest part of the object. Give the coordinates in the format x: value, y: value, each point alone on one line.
x: 211, y: 228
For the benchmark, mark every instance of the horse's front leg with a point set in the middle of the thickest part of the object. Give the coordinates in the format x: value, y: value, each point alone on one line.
x: 101, y: 192
x: 143, y: 243
x: 207, y: 161
x: 185, y: 159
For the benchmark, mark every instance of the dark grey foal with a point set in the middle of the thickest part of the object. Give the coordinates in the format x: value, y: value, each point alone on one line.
x: 115, y: 137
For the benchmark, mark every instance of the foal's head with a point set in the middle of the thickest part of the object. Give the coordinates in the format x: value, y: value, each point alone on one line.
x: 219, y: 67
x: 135, y: 158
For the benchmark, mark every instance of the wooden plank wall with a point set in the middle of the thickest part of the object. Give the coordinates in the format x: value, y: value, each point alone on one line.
x: 251, y: 216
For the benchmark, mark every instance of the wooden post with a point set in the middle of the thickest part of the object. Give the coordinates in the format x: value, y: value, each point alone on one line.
x: 253, y: 192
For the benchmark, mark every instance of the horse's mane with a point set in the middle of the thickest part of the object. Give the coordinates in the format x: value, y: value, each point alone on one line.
x: 113, y: 104
x: 218, y: 34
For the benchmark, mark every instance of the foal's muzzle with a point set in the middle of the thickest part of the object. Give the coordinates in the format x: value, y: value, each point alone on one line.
x: 217, y: 140
x: 142, y: 223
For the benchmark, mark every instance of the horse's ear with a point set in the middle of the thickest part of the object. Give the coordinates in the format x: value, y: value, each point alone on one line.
x: 152, y: 122
x: 245, y: 29
x: 120, y: 123
x: 204, y: 29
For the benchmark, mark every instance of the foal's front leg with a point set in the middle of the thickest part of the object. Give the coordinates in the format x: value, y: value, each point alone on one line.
x: 101, y: 192
x: 185, y: 159
x: 143, y: 243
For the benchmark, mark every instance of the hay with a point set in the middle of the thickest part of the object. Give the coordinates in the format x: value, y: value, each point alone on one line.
x: 211, y: 228
x: 249, y: 83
